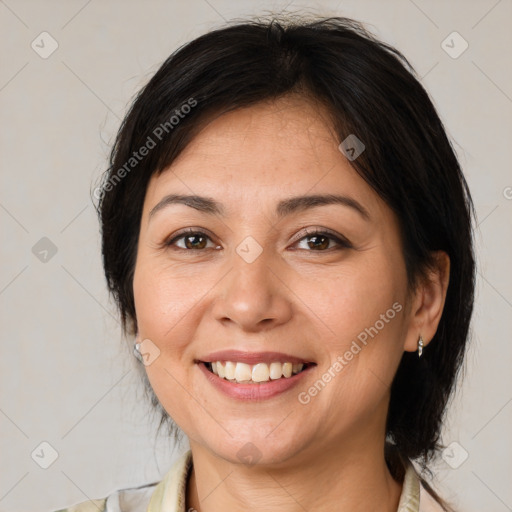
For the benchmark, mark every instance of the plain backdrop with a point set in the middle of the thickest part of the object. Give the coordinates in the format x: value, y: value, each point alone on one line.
x: 67, y: 377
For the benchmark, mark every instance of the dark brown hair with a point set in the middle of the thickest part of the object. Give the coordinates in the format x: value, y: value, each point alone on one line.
x: 370, y: 90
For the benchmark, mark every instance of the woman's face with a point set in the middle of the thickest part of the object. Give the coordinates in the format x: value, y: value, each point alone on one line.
x: 253, y: 278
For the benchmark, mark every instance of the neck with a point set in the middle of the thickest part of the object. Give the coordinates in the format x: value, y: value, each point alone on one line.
x: 345, y: 476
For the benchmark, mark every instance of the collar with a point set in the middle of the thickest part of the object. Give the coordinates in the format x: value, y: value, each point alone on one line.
x: 171, y: 492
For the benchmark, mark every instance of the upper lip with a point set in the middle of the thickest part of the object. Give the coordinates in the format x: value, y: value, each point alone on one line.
x: 252, y: 357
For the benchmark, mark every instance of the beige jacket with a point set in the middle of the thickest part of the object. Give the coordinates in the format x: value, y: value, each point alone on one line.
x: 169, y: 494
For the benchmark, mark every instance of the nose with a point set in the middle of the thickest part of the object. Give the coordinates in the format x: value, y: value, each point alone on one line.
x: 253, y: 296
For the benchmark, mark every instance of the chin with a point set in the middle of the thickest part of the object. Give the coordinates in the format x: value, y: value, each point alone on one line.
x: 257, y: 449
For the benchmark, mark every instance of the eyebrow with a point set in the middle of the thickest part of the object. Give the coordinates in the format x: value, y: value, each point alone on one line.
x: 285, y: 207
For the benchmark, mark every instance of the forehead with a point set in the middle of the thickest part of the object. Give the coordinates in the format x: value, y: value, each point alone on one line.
x: 263, y: 153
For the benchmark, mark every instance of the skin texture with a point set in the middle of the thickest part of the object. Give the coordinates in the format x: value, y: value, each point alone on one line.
x: 296, y: 298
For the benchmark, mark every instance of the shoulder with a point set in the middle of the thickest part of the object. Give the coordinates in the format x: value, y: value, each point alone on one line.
x: 168, y: 494
x: 134, y: 499
x: 86, y: 506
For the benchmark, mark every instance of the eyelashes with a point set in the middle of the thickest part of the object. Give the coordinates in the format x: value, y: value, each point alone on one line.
x: 318, y: 237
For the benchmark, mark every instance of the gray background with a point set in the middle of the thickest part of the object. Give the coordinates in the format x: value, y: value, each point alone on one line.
x: 67, y: 377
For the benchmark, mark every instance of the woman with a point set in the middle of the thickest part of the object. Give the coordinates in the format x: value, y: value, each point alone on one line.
x: 287, y: 234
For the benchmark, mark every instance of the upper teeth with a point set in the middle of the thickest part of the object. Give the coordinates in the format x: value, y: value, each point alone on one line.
x: 261, y: 372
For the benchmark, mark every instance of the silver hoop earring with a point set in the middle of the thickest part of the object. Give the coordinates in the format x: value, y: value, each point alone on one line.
x: 420, y: 346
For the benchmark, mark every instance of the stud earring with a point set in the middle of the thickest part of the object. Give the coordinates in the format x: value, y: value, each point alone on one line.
x: 136, y: 349
x: 420, y: 346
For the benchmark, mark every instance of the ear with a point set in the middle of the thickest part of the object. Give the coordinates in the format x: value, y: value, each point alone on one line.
x: 428, y: 302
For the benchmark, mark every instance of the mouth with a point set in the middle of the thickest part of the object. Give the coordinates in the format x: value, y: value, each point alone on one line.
x: 253, y: 376
x: 254, y: 382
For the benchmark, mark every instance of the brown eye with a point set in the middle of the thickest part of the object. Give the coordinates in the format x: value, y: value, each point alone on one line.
x: 320, y: 241
x: 190, y: 240
x: 195, y: 241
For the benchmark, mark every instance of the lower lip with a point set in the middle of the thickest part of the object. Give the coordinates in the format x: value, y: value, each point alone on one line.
x: 254, y: 392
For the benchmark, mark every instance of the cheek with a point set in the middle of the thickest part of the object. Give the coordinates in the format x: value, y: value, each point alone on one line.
x: 165, y: 306
x: 361, y: 309
x: 352, y: 298
x: 163, y: 301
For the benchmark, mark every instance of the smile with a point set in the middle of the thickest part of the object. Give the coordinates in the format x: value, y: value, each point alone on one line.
x: 247, y: 389
x: 244, y: 373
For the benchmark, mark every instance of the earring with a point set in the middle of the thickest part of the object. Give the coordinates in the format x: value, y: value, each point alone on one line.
x: 420, y: 346
x: 136, y: 349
